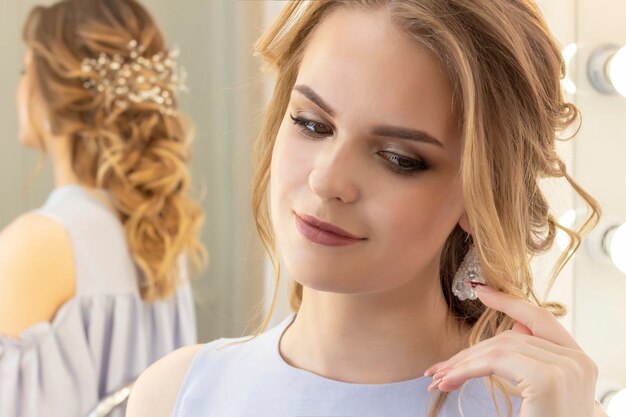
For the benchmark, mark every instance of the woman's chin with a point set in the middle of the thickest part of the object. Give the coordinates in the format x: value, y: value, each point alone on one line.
x: 328, y: 281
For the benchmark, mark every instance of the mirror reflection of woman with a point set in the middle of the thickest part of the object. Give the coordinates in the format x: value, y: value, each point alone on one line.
x: 93, y: 284
x: 398, y: 177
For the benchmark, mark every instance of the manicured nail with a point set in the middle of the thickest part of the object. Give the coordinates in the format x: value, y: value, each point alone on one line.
x: 434, y: 370
x: 433, y: 385
x: 441, y: 381
x: 440, y: 374
x: 474, y: 284
x: 438, y: 377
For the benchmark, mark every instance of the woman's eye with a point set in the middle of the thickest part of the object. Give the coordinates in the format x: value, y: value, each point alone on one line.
x: 311, y: 128
x: 402, y: 164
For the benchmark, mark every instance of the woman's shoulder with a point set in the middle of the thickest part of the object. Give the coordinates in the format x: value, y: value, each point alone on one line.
x: 156, y: 390
x: 32, y: 228
x: 36, y: 271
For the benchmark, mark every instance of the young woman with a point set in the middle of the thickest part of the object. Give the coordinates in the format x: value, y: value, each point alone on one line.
x: 93, y: 284
x: 399, y: 166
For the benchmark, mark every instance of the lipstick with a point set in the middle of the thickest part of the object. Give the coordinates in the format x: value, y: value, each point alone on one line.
x: 324, y: 233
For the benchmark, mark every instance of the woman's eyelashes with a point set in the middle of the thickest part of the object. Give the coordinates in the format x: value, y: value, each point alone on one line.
x: 396, y: 162
x: 312, y: 128
x: 402, y: 164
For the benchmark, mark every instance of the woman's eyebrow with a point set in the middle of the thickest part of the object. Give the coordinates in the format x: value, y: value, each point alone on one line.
x: 382, y: 130
x: 308, y: 92
x: 405, y: 133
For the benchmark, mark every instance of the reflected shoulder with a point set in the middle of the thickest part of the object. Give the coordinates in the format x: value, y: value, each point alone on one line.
x: 36, y: 272
x: 155, y: 392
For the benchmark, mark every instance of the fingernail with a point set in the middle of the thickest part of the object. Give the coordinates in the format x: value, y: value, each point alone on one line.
x: 483, y: 287
x: 473, y: 284
x: 440, y: 374
x: 434, y: 370
x: 438, y: 377
x: 441, y: 381
x: 432, y: 386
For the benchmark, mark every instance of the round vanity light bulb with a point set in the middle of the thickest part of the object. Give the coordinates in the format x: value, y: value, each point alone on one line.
x: 617, y: 71
x: 617, y: 405
x: 568, y: 57
x: 617, y: 248
x: 567, y: 219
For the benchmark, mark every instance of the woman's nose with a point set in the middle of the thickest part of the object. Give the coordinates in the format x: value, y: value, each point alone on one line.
x: 335, y: 174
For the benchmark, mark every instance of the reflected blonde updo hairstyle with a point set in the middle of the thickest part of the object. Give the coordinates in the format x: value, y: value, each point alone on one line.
x: 137, y: 153
x: 505, y: 67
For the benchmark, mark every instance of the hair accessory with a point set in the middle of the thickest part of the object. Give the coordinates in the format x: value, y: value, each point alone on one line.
x: 136, y: 78
x: 468, y: 271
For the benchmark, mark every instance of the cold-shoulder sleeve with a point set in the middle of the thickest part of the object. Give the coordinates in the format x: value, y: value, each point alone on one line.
x: 95, y: 344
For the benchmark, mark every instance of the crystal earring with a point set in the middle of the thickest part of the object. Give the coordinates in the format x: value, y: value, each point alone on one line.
x: 468, y: 271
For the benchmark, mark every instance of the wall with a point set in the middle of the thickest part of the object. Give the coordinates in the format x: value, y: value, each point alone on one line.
x: 594, y: 291
x: 600, y: 290
x: 17, y: 167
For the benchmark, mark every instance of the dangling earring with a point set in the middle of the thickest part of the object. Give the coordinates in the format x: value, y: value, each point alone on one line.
x: 468, y: 271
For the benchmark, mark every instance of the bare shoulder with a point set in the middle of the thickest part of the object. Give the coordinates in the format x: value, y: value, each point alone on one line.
x: 36, y: 271
x: 155, y: 392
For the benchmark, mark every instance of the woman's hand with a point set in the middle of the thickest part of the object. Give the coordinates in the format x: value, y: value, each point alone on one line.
x: 554, y: 376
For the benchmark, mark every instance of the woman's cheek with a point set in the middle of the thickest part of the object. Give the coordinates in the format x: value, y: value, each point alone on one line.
x: 416, y: 211
x: 292, y: 161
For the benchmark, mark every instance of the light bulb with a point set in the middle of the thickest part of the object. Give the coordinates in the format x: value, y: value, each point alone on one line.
x: 617, y: 71
x: 606, y: 69
x: 567, y: 219
x: 568, y: 57
x: 617, y: 247
x: 607, y: 242
x: 617, y: 405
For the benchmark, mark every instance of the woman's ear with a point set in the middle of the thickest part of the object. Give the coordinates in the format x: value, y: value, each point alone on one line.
x: 464, y: 223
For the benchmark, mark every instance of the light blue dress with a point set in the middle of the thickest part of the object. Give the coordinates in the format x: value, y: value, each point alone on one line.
x: 252, y: 379
x: 103, y: 337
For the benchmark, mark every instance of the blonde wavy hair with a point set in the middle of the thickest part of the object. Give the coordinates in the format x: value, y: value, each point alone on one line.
x: 137, y: 153
x: 505, y: 67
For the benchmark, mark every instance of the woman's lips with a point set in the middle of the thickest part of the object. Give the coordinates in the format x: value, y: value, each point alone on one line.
x: 323, y: 233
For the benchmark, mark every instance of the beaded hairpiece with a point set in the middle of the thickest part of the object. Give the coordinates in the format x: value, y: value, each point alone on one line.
x: 136, y: 79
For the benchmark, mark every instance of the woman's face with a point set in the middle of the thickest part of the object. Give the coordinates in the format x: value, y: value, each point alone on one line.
x: 370, y: 144
x: 23, y: 95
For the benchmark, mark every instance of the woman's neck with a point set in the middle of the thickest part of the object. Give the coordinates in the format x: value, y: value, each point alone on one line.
x: 60, y: 153
x: 374, y: 338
